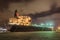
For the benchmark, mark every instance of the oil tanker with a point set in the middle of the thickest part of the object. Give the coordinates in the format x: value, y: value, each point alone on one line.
x: 21, y: 23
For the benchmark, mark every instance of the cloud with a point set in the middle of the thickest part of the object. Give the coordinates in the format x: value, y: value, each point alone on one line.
x: 52, y: 11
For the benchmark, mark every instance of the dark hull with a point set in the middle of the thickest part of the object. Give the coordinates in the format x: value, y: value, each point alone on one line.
x: 16, y: 28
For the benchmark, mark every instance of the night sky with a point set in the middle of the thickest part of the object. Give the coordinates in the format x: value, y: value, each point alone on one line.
x: 7, y: 8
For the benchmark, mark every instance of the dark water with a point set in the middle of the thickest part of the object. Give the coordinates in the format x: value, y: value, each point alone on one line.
x: 30, y: 35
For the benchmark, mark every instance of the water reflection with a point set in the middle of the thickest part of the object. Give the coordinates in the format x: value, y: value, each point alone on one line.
x: 41, y: 35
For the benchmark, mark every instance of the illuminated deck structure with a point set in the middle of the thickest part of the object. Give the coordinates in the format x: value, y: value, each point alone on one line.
x: 21, y: 20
